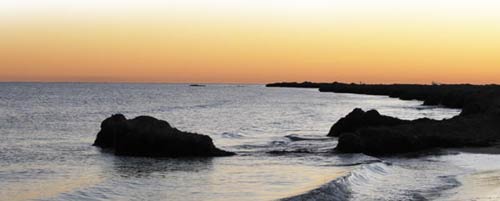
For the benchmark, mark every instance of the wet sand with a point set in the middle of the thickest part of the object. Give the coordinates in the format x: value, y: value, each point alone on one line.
x: 480, y: 186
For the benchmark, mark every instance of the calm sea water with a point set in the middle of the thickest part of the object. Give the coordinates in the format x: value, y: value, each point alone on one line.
x: 46, y: 132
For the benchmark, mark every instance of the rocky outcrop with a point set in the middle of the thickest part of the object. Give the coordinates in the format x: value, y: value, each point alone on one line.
x: 360, y: 119
x: 460, y: 131
x: 148, y: 136
x: 480, y: 130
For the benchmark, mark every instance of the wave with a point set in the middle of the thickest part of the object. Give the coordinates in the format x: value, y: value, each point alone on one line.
x: 297, y: 144
x: 231, y: 135
x: 340, y: 189
x: 290, y: 144
x: 376, y: 180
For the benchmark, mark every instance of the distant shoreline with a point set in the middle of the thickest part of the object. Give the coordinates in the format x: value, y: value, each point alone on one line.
x: 447, y: 95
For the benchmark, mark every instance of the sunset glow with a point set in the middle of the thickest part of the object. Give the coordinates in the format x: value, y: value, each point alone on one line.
x: 251, y: 41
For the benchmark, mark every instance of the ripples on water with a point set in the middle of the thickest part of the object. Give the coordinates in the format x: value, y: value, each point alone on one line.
x: 47, y: 129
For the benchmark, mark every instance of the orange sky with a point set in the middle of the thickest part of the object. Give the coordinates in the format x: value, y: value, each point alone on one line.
x: 251, y: 41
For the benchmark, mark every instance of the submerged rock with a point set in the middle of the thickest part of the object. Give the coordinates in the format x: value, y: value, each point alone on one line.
x: 148, y: 136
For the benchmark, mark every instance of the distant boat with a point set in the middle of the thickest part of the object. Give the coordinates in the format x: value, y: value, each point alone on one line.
x: 197, y: 85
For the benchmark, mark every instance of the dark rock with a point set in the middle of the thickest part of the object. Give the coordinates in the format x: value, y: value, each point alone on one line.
x: 148, y: 136
x: 460, y: 131
x: 106, y: 136
x: 360, y: 119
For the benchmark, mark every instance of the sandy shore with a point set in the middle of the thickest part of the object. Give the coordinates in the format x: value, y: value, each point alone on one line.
x: 480, y: 186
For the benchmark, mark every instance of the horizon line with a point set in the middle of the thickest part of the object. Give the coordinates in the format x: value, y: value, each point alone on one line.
x: 234, y: 83
x: 132, y: 82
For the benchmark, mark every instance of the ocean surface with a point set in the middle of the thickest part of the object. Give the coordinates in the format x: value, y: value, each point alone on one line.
x: 279, y: 134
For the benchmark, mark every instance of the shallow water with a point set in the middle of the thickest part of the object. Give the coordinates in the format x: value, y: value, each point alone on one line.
x: 46, y: 132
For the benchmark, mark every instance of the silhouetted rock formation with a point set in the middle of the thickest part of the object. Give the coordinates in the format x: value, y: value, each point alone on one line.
x: 408, y: 136
x: 148, y: 136
x: 360, y: 119
x: 371, y: 133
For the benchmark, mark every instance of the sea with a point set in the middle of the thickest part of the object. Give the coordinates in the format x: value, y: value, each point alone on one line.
x: 279, y: 135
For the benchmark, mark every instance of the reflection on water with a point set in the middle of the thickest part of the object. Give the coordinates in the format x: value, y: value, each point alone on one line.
x: 130, y: 167
x: 44, y: 189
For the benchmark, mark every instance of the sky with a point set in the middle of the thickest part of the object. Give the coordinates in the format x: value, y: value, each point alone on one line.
x: 250, y: 41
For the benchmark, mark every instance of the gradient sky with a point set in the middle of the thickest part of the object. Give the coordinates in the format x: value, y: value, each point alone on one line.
x: 250, y: 41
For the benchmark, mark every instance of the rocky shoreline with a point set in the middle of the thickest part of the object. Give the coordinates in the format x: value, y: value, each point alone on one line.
x: 478, y: 125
